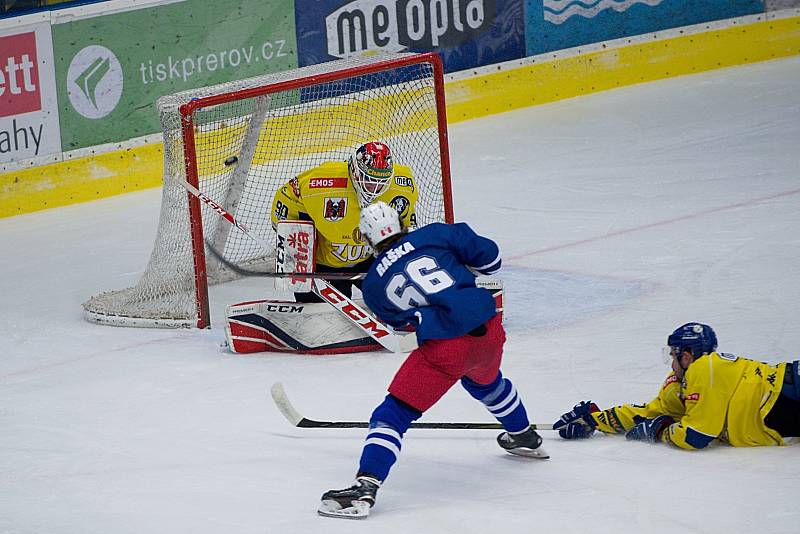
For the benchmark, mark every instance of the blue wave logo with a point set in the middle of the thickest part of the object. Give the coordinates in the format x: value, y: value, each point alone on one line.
x: 559, y: 11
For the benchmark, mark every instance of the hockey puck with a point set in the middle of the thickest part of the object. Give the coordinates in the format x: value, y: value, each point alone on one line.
x: 231, y: 160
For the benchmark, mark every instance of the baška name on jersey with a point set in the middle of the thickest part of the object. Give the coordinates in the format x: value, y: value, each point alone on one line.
x: 392, y: 255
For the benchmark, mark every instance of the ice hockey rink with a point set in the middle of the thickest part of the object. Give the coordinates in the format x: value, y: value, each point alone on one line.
x: 621, y: 215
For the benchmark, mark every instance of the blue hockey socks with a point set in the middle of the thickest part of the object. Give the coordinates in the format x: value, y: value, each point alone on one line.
x: 388, y: 423
x: 501, y: 399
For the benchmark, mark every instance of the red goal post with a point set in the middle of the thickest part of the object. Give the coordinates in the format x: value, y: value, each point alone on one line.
x: 240, y: 142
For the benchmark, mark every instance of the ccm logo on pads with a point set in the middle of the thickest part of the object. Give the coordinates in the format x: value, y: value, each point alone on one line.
x: 319, y: 183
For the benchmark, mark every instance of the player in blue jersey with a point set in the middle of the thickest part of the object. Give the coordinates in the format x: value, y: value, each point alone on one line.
x: 426, y: 279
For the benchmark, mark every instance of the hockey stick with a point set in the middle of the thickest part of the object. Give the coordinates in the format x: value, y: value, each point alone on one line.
x: 220, y: 210
x: 363, y: 319
x: 294, y: 417
x: 249, y: 272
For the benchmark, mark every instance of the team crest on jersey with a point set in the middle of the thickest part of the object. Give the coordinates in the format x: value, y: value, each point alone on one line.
x: 404, y: 181
x: 335, y: 208
x: 400, y: 204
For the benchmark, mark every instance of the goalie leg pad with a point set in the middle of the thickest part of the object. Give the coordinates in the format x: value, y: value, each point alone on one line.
x: 496, y: 287
x: 308, y: 328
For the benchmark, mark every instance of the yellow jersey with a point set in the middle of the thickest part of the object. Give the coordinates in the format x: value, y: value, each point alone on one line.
x: 722, y: 396
x: 325, y: 196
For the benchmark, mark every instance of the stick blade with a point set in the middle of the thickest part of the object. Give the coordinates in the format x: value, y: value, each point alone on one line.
x: 283, y: 404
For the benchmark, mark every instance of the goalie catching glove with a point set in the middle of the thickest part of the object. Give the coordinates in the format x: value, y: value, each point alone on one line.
x: 577, y: 423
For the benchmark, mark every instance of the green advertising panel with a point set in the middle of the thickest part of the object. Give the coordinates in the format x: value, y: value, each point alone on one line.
x: 111, y: 69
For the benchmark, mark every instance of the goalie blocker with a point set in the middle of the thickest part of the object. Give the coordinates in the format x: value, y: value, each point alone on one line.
x: 330, y: 327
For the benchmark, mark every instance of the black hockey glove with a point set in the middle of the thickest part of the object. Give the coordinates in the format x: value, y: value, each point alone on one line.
x: 578, y: 423
x: 649, y: 429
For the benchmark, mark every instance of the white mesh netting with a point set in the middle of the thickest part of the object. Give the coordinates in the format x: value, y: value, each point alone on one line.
x: 273, y: 135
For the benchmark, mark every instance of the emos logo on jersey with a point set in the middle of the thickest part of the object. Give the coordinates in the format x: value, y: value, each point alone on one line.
x: 19, y: 75
x: 94, y: 82
x: 335, y: 209
x: 325, y: 183
x: 396, y: 25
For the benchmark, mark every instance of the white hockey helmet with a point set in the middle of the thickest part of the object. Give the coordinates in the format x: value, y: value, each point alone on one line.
x: 379, y: 221
x: 371, y: 169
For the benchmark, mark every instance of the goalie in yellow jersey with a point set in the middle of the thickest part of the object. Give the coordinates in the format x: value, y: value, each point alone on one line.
x: 332, y: 194
x: 709, y: 395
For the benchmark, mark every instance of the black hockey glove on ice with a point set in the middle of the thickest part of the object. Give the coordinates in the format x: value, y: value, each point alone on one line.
x: 649, y: 429
x: 578, y: 423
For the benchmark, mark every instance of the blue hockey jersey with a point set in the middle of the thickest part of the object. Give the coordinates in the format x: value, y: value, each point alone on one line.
x: 427, y: 279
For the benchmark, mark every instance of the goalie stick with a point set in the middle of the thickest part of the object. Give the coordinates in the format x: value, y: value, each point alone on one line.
x: 294, y: 417
x: 243, y: 271
x: 225, y: 214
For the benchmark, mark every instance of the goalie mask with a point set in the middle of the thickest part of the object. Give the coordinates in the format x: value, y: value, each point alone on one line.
x: 371, y: 170
x: 379, y: 222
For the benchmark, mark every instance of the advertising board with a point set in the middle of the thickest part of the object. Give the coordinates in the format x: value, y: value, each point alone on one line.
x: 28, y: 106
x: 111, y: 69
x: 466, y: 33
x: 559, y: 24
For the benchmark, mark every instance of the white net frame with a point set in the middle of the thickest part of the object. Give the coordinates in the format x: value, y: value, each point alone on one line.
x: 240, y: 141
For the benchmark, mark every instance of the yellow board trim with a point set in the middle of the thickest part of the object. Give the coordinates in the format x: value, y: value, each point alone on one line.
x: 548, y: 81
x: 81, y: 179
x: 103, y: 175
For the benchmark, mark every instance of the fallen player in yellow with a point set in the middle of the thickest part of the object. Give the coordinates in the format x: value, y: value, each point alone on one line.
x: 708, y: 396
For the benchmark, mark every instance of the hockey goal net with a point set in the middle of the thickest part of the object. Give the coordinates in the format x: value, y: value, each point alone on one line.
x: 239, y: 142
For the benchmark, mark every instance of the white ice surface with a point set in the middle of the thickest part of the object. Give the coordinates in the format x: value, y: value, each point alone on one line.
x: 621, y: 216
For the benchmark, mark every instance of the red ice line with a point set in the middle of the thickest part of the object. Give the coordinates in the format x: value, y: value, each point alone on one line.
x: 654, y: 224
x: 48, y: 366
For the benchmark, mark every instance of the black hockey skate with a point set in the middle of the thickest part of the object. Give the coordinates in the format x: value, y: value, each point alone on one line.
x: 526, y: 443
x: 350, y: 503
